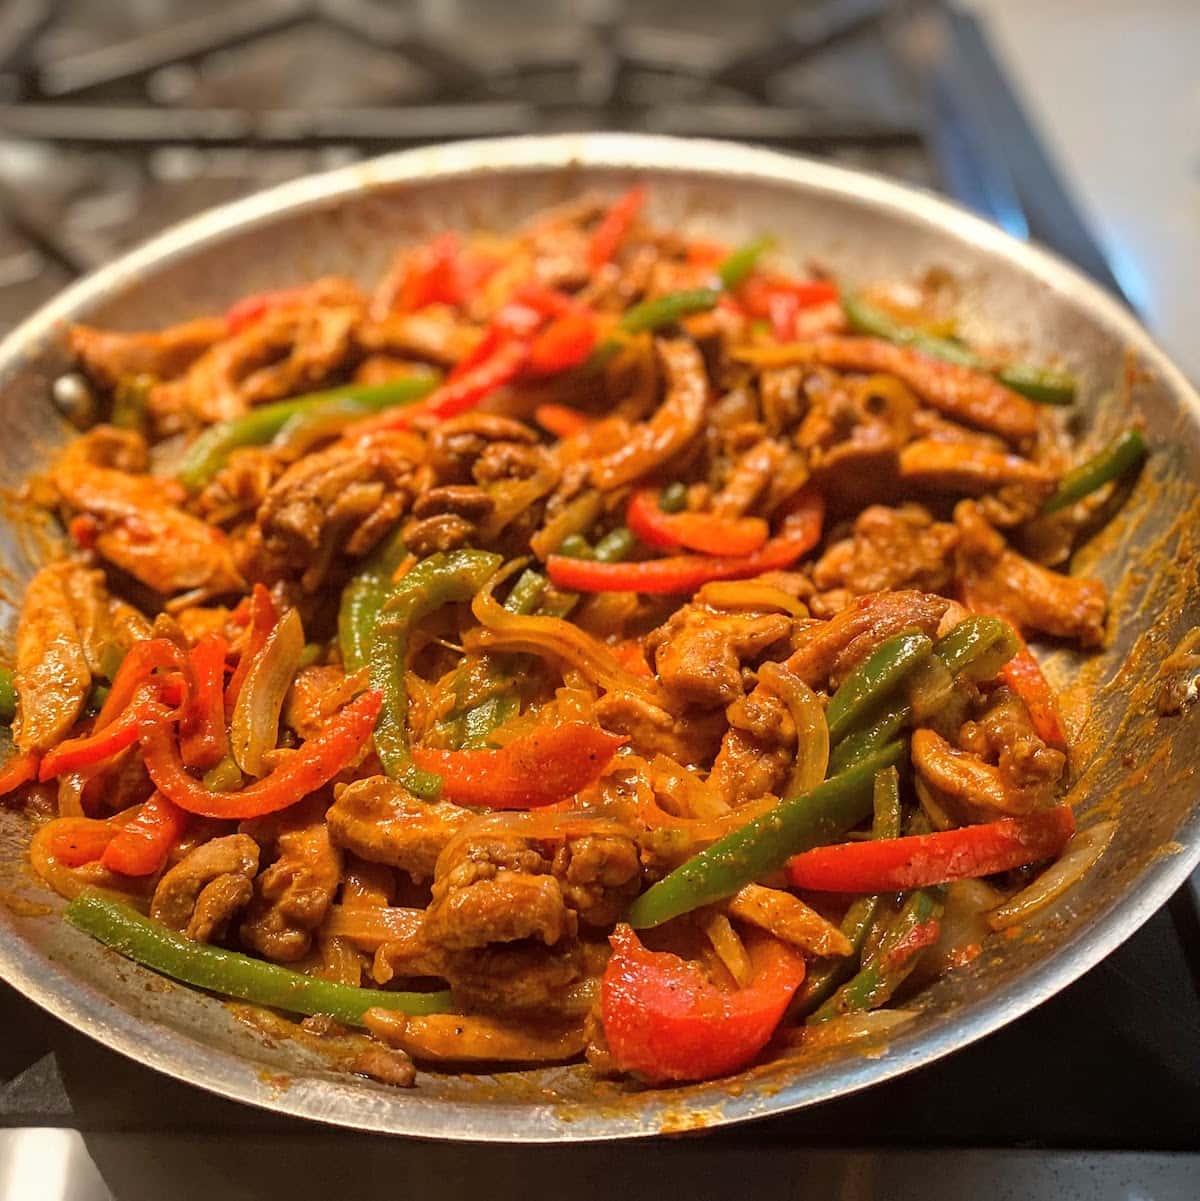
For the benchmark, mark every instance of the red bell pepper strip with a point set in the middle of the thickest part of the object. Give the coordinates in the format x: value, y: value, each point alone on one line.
x: 203, y: 738
x: 74, y: 841
x: 91, y: 750
x: 613, y: 227
x: 664, y: 1021
x: 18, y: 770
x: 141, y: 847
x: 1023, y: 674
x: 701, y: 253
x: 457, y: 395
x: 137, y: 669
x: 313, y: 765
x: 262, y: 621
x: 685, y: 573
x: 561, y: 420
x: 779, y: 300
x: 545, y: 766
x: 565, y: 343
x: 921, y: 860
x: 707, y: 532
x: 250, y: 309
x: 431, y: 275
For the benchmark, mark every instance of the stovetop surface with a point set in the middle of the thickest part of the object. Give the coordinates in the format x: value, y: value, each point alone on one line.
x: 116, y: 121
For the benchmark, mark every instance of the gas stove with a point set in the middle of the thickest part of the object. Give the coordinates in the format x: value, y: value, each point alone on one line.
x: 118, y: 120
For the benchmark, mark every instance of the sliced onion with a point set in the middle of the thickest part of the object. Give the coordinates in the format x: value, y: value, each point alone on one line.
x: 812, y: 731
x: 729, y: 948
x: 561, y: 639
x: 370, y: 926
x: 853, y: 1028
x: 511, y: 498
x: 254, y: 729
x: 929, y: 687
x: 576, y: 518
x: 1081, y: 855
x: 737, y: 595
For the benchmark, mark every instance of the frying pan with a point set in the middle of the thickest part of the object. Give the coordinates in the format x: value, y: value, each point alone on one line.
x: 1130, y: 763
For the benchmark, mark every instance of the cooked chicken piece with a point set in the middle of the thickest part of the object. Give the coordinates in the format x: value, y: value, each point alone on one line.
x: 382, y: 822
x: 483, y: 448
x: 339, y: 500
x: 749, y: 478
x: 890, y: 548
x: 241, y: 485
x: 446, y: 518
x: 757, y: 751
x: 676, y: 422
x: 52, y: 677
x: 498, y: 892
x: 67, y: 624
x: 958, y: 392
x: 502, y: 885
x: 691, y: 739
x: 782, y: 398
x: 959, y: 468
x: 201, y: 894
x: 388, y: 1065
x: 828, y: 650
x: 292, y: 896
x: 1005, y: 735
x: 109, y: 356
x: 966, y: 780
x: 853, y: 432
x: 700, y: 651
x: 453, y: 1038
x: 994, y: 578
x: 286, y: 352
x: 435, y: 334
x: 137, y: 526
x: 789, y: 919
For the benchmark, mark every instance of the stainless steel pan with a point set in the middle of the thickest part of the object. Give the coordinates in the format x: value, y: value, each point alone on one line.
x: 864, y: 227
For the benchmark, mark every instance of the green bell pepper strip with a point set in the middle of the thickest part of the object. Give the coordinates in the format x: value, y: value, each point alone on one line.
x: 1038, y: 384
x: 575, y: 546
x: 978, y: 646
x: 207, y: 454
x: 615, y: 546
x: 668, y: 309
x: 1118, y: 458
x: 527, y: 592
x: 891, y: 719
x: 121, y: 927
x: 441, y: 579
x: 673, y: 498
x: 480, y: 721
x: 472, y: 727
x: 892, y: 963
x: 738, y: 264
x: 764, y: 844
x: 8, y: 696
x: 823, y: 981
x: 130, y: 398
x: 362, y: 598
x: 879, y: 674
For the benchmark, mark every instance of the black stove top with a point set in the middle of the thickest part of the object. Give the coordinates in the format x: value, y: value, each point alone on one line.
x: 117, y: 120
